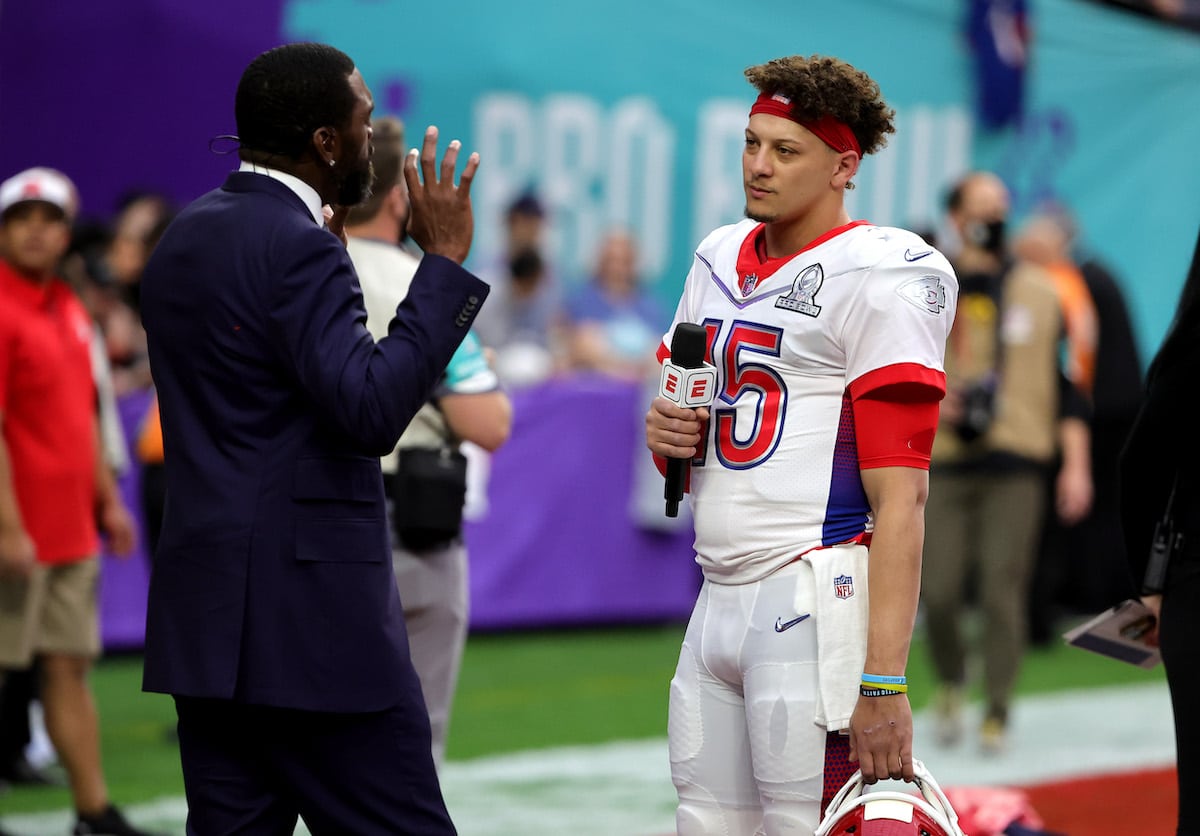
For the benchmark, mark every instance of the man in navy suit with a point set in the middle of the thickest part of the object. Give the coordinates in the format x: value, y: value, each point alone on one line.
x: 273, y: 616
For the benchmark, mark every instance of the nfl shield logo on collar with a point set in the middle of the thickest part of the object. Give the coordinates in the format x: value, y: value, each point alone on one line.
x: 843, y: 586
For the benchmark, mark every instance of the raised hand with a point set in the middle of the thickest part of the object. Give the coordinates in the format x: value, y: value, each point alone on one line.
x: 441, y: 222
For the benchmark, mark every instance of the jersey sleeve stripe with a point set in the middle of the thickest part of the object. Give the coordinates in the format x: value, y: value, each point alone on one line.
x: 913, y: 382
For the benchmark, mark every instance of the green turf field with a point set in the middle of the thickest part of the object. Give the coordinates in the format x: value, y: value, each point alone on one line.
x: 518, y: 691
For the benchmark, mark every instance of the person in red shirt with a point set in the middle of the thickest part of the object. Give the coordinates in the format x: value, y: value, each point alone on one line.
x: 56, y: 491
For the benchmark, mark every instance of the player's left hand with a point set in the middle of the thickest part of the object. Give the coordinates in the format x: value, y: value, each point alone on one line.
x: 881, y: 738
x: 118, y: 526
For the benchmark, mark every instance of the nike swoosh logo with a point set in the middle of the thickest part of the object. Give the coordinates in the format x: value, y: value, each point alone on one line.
x: 909, y: 255
x: 781, y: 625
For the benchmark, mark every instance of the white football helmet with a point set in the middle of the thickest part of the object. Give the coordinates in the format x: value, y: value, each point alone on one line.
x: 853, y: 812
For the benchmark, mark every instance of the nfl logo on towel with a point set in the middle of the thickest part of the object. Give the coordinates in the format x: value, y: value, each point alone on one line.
x: 843, y: 586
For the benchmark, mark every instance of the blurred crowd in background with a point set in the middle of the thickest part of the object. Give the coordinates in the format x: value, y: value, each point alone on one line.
x: 540, y: 326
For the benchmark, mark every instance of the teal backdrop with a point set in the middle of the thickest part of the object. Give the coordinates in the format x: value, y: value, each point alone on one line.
x: 631, y: 113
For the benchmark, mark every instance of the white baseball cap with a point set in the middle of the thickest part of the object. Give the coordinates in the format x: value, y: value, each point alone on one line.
x: 41, y: 184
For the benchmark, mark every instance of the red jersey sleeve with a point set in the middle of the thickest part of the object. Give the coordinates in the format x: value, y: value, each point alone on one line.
x: 896, y: 415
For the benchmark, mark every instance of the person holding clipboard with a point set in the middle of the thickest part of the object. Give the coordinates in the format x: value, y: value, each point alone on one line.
x: 1160, y: 515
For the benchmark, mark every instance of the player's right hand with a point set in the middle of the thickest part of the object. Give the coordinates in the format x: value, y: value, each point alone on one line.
x: 17, y: 553
x: 674, y: 431
x: 441, y: 222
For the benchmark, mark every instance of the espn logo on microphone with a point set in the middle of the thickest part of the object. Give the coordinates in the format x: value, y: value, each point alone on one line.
x: 688, y: 387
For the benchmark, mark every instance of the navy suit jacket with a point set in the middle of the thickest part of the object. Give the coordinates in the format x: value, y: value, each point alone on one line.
x: 273, y: 582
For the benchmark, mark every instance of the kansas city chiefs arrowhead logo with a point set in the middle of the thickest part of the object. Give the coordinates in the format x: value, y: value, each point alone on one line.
x: 927, y: 293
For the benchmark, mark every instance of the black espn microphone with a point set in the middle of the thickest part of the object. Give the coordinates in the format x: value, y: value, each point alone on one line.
x: 689, y: 382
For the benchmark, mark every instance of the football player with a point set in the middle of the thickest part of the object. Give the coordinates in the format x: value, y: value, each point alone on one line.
x: 809, y: 471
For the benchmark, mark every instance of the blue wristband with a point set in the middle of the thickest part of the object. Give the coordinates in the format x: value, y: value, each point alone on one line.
x: 884, y: 680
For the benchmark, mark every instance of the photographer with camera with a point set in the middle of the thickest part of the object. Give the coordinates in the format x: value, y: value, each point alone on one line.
x: 1010, y: 416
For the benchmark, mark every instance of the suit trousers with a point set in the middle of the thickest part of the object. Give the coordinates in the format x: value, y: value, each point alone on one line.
x: 254, y: 770
x: 981, y: 526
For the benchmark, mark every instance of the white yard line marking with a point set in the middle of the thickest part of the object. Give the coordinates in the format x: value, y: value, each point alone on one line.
x: 624, y: 788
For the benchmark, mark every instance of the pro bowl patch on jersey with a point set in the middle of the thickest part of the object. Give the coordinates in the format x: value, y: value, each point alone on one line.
x: 927, y: 293
x: 843, y: 586
x: 800, y: 297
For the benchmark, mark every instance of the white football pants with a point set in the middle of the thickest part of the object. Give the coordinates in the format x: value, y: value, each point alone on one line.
x: 746, y: 756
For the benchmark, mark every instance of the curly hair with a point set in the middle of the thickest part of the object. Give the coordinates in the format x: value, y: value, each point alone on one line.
x: 288, y: 92
x: 819, y: 85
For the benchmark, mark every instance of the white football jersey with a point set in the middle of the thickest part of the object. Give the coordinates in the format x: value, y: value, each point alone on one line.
x: 859, y: 307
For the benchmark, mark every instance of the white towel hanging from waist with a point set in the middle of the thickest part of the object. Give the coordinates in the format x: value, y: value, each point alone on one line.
x: 842, y: 608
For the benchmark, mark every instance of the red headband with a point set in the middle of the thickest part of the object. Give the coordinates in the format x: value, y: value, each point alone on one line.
x: 829, y: 129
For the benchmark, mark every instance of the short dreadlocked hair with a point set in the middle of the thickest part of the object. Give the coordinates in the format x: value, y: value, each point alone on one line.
x: 288, y: 92
x: 819, y: 85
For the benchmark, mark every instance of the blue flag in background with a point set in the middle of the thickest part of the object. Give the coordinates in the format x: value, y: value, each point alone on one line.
x: 998, y: 35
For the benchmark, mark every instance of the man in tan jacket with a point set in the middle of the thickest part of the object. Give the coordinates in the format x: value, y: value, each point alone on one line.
x: 1010, y: 416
